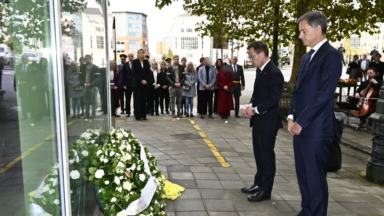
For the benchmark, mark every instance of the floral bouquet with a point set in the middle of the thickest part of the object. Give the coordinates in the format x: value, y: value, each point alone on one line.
x: 122, y: 169
x: 347, y: 83
x: 67, y: 27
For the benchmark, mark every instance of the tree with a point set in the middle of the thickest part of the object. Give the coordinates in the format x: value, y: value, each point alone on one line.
x: 169, y: 54
x: 249, y: 20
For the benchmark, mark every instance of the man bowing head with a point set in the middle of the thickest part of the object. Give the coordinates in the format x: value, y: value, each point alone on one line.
x: 265, y: 117
x: 311, y: 117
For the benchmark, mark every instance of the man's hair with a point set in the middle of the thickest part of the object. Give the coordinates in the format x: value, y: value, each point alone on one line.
x: 202, y: 59
x: 378, y: 54
x: 372, y: 68
x: 259, y: 47
x: 88, y: 55
x: 183, y: 59
x: 81, y: 58
x: 314, y: 19
x: 176, y: 56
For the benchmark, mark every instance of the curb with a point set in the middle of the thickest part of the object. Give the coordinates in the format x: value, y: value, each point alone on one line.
x: 356, y: 146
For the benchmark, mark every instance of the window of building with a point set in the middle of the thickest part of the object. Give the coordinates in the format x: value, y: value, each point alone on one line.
x: 99, y: 29
x: 134, y: 46
x: 90, y: 42
x: 182, y: 30
x: 100, y: 42
x: 175, y: 42
x: 189, y: 42
x: 189, y: 55
x: 189, y: 30
x: 202, y: 43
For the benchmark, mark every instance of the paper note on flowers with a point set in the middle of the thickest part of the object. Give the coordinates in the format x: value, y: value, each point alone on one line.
x: 143, y: 157
x: 146, y: 196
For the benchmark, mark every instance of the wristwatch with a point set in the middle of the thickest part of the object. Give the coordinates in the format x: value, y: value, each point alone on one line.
x: 253, y: 111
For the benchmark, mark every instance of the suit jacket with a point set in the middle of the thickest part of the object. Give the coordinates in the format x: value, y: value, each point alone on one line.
x: 239, y: 75
x: 202, y: 77
x: 92, y: 76
x: 20, y: 78
x: 312, y: 103
x: 367, y: 62
x: 141, y: 73
x: 266, y: 97
x: 162, y: 78
x: 171, y: 75
x: 127, y: 75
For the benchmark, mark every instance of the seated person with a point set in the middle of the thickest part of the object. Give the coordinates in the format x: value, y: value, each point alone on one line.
x: 372, y: 76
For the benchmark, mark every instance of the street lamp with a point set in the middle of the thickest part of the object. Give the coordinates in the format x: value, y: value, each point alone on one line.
x: 375, y: 164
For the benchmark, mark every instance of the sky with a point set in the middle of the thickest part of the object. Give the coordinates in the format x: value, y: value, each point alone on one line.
x: 159, y: 22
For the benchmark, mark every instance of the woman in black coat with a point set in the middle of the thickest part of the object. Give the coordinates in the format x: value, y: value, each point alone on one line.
x: 142, y: 81
x: 164, y: 88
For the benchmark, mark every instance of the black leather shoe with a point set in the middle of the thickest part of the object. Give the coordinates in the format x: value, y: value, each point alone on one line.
x: 237, y: 116
x: 250, y: 190
x: 259, y: 196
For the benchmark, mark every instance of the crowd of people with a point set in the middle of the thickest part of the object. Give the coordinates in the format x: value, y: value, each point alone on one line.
x: 173, y: 85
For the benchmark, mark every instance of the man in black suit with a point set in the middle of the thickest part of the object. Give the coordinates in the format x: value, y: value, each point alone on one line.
x: 265, y: 117
x: 128, y: 83
x: 89, y: 80
x: 176, y: 79
x: 238, y: 74
x: 20, y: 84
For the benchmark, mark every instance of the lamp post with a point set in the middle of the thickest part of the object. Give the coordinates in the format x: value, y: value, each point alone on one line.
x: 375, y: 164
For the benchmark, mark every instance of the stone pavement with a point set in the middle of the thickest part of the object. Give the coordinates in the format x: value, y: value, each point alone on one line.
x: 185, y: 158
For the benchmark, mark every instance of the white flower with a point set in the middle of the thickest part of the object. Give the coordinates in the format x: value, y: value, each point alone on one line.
x: 113, y: 199
x: 127, y: 186
x: 56, y: 166
x: 99, y: 174
x: 142, y: 177
x: 45, y: 188
x: 154, y: 171
x: 117, y: 180
x: 126, y: 135
x: 106, y: 182
x: 51, y: 191
x: 149, y: 155
x: 56, y: 201
x: 93, y: 141
x: 74, y: 152
x: 119, y: 136
x: 113, y: 141
x: 77, y: 159
x: 99, y: 152
x: 128, y: 147
x: 112, y: 132
x: 120, y: 164
x: 157, y: 182
x: 87, y: 136
x: 132, y: 168
x: 105, y: 160
x: 74, y: 174
x: 121, y: 177
x: 126, y: 157
x: 122, y: 213
x: 112, y: 153
x: 119, y: 189
x: 84, y: 153
x: 54, y: 182
x: 54, y: 172
x: 71, y: 161
x: 122, y: 147
x: 97, y: 133
x: 138, y: 168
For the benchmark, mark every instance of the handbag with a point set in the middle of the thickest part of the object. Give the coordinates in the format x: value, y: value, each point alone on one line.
x: 349, y: 70
x: 358, y: 74
x: 185, y: 88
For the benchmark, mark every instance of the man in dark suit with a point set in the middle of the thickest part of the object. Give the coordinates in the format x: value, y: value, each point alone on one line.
x: 176, y: 79
x: 311, y: 117
x: 265, y: 120
x: 128, y: 83
x: 238, y: 74
x: 20, y: 84
x: 89, y: 80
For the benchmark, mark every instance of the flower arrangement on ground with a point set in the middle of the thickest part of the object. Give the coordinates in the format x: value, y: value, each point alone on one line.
x: 347, y: 83
x: 122, y: 169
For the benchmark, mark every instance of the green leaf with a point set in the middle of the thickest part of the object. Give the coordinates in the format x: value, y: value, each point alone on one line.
x: 92, y: 170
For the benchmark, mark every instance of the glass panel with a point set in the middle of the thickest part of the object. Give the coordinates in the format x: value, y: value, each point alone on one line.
x: 87, y: 78
x: 28, y: 150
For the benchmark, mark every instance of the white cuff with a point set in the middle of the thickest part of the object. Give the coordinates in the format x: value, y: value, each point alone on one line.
x: 290, y: 117
x: 256, y: 110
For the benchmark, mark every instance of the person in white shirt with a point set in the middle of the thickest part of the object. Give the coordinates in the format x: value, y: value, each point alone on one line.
x: 364, y: 65
x: 153, y: 92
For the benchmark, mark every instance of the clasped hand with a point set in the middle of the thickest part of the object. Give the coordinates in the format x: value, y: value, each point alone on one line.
x: 248, y: 111
x: 207, y: 87
x: 226, y: 88
x: 143, y: 82
x: 294, y: 128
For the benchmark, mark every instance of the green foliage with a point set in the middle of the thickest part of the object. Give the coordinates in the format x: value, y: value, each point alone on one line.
x: 288, y: 88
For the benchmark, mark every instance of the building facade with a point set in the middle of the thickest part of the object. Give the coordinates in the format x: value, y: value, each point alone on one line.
x: 131, y: 32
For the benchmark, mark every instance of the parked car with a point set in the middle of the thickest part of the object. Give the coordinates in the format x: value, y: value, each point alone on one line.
x: 288, y: 61
x: 6, y: 53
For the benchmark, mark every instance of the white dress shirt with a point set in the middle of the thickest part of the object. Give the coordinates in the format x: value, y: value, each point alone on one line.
x: 262, y: 68
x: 317, y: 47
x: 364, y: 64
x: 155, y: 76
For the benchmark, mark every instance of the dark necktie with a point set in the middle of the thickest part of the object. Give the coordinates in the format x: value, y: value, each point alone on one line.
x: 258, y: 72
x: 235, y: 70
x: 309, y: 58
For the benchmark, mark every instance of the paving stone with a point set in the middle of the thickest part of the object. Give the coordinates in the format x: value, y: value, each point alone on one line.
x: 205, y: 176
x: 237, y: 194
x: 239, y: 164
x: 169, y: 207
x: 277, y: 206
x: 228, y: 177
x: 188, y: 205
x: 296, y: 205
x: 191, y: 214
x: 214, y: 194
x: 379, y: 207
x: 343, y: 197
x: 223, y: 170
x: 181, y: 175
x: 253, y: 214
x: 359, y: 208
x: 285, y: 187
x: 245, y: 205
x: 232, y: 184
x: 209, y: 184
x: 190, y: 194
x: 290, y: 195
x: 178, y: 169
x: 187, y: 184
x: 223, y: 213
x: 201, y: 169
x: 206, y: 160
x: 336, y: 208
x: 218, y: 205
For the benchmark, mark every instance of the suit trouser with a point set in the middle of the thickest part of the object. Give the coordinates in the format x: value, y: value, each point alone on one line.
x: 153, y: 101
x: 159, y: 97
x: 90, y: 99
x: 164, y: 95
x: 128, y: 95
x: 23, y: 96
x: 176, y: 97
x: 311, y: 156
x: 140, y: 103
x: 263, y: 150
x: 205, y: 98
x: 236, y: 95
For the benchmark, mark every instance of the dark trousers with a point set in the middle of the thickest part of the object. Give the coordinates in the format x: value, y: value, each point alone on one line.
x: 311, y: 156
x: 215, y: 101
x: 153, y: 101
x: 166, y: 98
x: 263, y: 150
x: 159, y: 97
x: 1, y: 77
x: 22, y: 93
x: 205, y: 97
x: 140, y: 103
x: 236, y: 94
x: 128, y: 95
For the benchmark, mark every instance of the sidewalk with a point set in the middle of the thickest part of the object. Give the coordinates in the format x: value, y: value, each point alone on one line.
x: 185, y: 156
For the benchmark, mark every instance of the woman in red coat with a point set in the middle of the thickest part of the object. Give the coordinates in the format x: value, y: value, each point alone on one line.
x: 36, y: 97
x: 224, y: 81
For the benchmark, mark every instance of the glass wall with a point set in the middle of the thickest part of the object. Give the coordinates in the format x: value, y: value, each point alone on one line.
x: 53, y: 104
